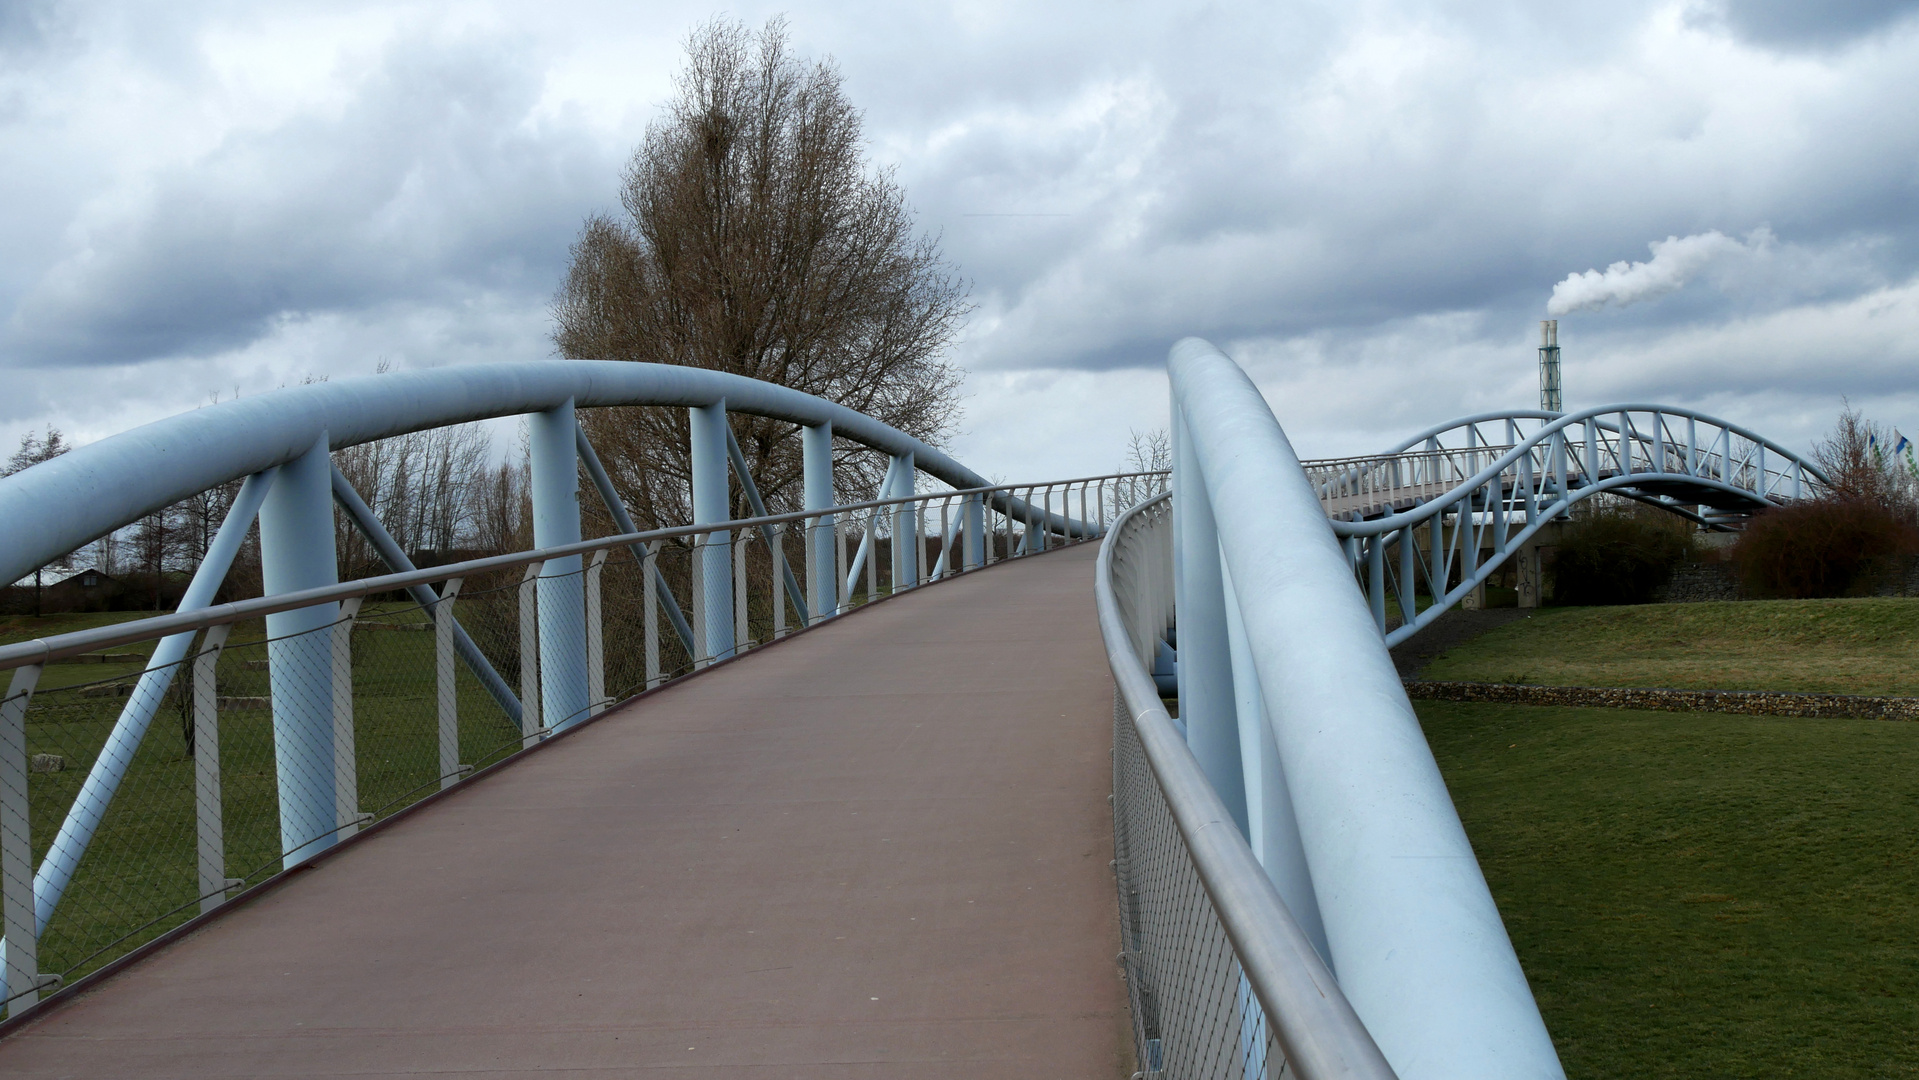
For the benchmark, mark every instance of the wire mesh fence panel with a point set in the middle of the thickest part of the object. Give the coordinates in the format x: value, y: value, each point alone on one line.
x: 127, y: 860
x: 1194, y: 1014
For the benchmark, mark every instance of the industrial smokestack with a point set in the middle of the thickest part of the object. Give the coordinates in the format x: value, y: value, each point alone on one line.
x: 1549, y: 365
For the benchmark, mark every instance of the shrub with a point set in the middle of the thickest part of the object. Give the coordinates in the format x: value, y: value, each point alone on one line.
x: 1618, y: 555
x: 1823, y: 547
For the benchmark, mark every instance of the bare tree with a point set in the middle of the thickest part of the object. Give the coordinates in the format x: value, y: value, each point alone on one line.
x: 755, y: 240
x: 425, y: 487
x: 1857, y: 461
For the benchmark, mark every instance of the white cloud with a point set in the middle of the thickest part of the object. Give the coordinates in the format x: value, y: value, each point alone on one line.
x: 1675, y: 261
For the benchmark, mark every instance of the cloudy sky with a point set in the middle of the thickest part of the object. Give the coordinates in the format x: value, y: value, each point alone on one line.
x: 1370, y: 204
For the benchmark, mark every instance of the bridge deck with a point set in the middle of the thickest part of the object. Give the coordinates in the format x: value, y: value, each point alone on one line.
x: 878, y: 849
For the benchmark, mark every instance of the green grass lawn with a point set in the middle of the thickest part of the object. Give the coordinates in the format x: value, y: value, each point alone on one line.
x: 1863, y: 646
x: 138, y: 877
x: 1700, y: 895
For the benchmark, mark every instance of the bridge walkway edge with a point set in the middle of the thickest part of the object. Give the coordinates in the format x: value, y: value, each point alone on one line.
x: 878, y: 850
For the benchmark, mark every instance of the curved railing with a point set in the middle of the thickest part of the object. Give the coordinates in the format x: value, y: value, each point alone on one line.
x: 149, y: 833
x: 1223, y: 981
x: 1481, y: 505
x: 1294, y: 716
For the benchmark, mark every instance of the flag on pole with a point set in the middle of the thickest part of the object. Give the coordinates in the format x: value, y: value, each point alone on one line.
x: 1902, y: 450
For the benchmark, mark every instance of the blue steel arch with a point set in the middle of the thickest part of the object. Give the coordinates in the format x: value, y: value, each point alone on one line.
x: 112, y: 483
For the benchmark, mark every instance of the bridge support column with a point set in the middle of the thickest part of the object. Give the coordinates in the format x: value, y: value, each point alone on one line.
x: 296, y: 552
x: 1530, y: 583
x: 816, y: 466
x: 562, y: 589
x: 1206, y: 698
x: 711, y: 503
x: 905, y: 526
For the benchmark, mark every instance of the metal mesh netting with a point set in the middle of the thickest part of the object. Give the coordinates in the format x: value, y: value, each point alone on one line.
x: 1194, y: 1014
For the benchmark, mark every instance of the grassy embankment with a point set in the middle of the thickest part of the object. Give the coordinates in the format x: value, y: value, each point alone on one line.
x: 1701, y: 895
x: 1864, y: 646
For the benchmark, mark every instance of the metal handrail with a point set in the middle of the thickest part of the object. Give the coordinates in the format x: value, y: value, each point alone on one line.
x: 61, y: 646
x: 1314, y: 1024
x: 1275, y: 643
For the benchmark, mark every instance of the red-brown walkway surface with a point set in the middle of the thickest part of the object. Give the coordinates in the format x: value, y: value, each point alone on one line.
x: 879, y: 849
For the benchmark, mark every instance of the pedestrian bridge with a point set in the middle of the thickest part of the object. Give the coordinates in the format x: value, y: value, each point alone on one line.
x: 864, y: 788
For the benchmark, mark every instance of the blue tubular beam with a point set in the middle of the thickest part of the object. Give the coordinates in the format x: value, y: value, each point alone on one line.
x: 604, y: 484
x: 562, y: 589
x: 753, y: 501
x: 711, y: 503
x: 1205, y: 659
x: 816, y: 466
x: 296, y: 552
x: 423, y: 595
x: 867, y: 541
x: 1414, y: 933
x: 905, y: 527
x: 1270, y: 829
x: 90, y: 805
x: 120, y: 479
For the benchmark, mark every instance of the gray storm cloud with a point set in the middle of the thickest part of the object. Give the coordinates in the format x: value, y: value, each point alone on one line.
x: 1675, y: 261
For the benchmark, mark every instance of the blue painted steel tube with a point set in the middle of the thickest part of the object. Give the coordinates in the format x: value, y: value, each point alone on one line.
x: 758, y: 507
x: 624, y: 520
x: 1206, y: 705
x: 711, y: 504
x: 562, y: 590
x: 1271, y: 831
x: 90, y: 805
x: 120, y: 479
x: 816, y: 466
x: 973, y: 510
x: 296, y: 552
x: 905, y: 526
x: 423, y: 595
x: 1419, y: 946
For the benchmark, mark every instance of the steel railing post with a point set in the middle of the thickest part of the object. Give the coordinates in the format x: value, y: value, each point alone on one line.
x: 777, y: 556
x: 346, y: 766
x: 973, y: 509
x: 841, y: 585
x: 596, y: 700
x: 22, y: 971
x: 650, y: 601
x: 296, y: 552
x: 742, y: 637
x: 445, y: 684
x: 210, y: 847
x: 713, y: 576
x: 871, y: 546
x: 531, y: 716
x: 555, y: 482
x: 697, y: 559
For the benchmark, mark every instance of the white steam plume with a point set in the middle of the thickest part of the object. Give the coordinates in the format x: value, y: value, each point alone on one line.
x: 1674, y: 262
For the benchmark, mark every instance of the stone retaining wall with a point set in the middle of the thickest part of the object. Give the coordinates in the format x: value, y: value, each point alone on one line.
x: 1747, y: 702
